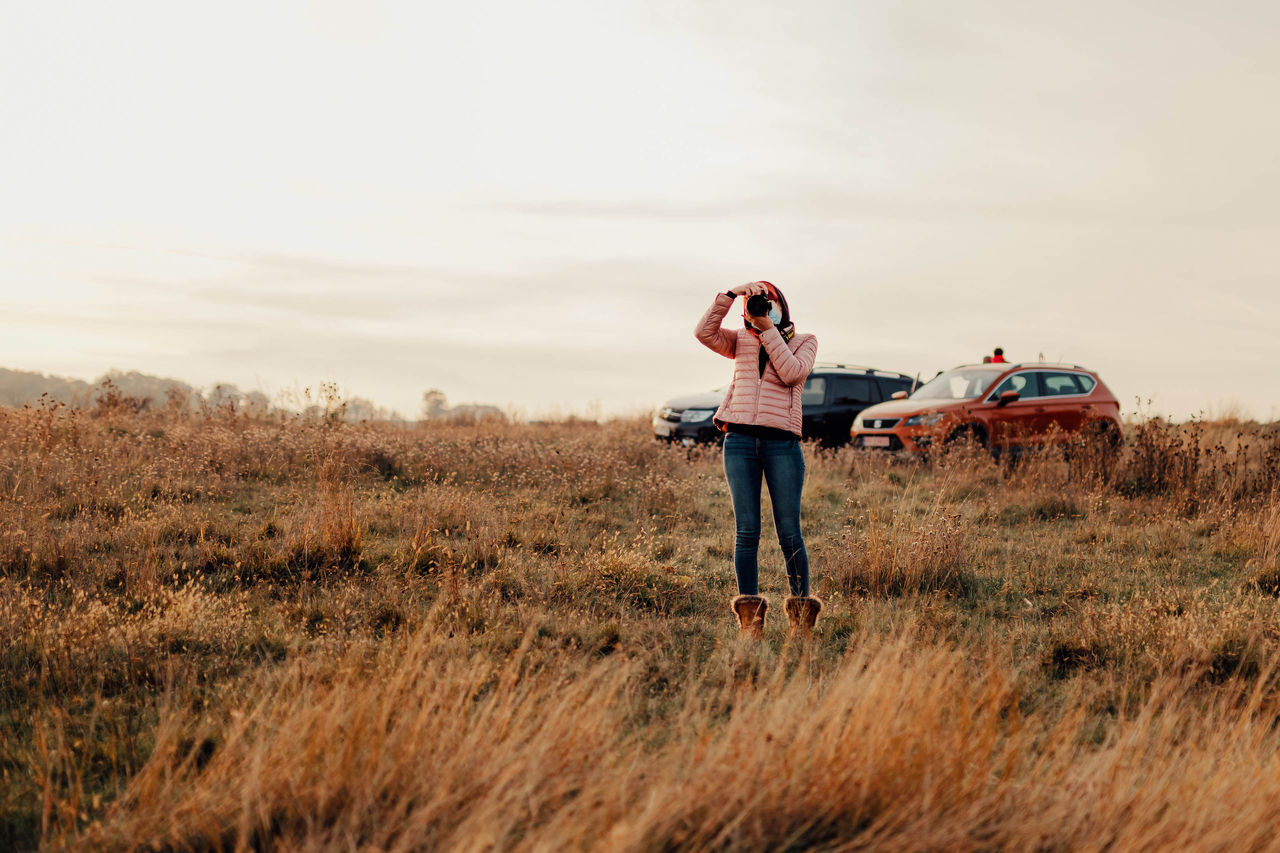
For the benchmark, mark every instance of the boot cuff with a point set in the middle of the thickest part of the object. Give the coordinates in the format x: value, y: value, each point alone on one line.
x: 803, y: 605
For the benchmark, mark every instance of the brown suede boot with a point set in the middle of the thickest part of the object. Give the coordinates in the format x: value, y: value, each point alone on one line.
x: 751, y: 610
x: 802, y: 613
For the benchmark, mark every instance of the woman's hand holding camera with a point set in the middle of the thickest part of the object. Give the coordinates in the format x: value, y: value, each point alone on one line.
x: 760, y: 322
x: 751, y: 288
x: 748, y: 290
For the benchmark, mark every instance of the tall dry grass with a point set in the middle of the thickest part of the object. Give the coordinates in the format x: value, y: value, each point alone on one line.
x: 907, y: 744
x: 906, y: 549
x: 234, y: 631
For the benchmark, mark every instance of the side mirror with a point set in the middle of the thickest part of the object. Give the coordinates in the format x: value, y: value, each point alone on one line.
x: 899, y: 395
x: 1007, y: 397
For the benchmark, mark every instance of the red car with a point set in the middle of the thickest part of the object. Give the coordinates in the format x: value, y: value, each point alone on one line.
x: 1000, y: 406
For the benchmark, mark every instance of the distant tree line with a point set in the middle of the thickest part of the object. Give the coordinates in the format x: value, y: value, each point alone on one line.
x: 435, y: 407
x: 142, y: 392
x: 22, y: 387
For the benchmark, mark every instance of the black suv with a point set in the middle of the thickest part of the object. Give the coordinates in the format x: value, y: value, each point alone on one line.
x: 833, y: 396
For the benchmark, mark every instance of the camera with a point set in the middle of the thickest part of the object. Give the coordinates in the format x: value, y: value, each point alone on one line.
x: 758, y: 305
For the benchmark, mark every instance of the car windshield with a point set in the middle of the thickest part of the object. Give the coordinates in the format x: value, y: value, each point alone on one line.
x: 963, y: 383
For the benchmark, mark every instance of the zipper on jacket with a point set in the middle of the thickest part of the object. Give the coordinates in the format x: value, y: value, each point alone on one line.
x: 755, y: 412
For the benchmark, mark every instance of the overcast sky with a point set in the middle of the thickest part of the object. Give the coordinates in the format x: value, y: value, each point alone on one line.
x: 530, y: 204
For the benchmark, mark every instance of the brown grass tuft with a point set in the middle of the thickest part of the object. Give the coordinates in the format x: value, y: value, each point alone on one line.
x: 911, y: 550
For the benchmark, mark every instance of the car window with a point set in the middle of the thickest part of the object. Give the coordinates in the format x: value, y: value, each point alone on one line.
x: 1024, y: 383
x: 815, y: 391
x: 853, y: 391
x: 962, y: 383
x: 889, y: 387
x: 1086, y: 383
x: 1059, y: 384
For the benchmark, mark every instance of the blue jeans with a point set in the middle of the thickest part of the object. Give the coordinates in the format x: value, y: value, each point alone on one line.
x: 781, y: 463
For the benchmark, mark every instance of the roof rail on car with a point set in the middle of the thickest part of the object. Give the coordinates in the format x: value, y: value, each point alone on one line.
x: 1008, y: 365
x: 1050, y: 364
x: 865, y: 369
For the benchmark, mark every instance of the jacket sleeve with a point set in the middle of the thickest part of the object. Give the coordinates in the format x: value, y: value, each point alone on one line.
x: 709, y: 332
x: 793, y: 367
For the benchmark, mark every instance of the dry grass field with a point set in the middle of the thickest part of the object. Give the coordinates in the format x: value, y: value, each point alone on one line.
x: 225, y: 632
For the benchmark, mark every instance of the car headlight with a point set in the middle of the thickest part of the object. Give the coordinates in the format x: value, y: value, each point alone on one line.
x: 927, y: 419
x: 693, y: 416
x: 857, y: 422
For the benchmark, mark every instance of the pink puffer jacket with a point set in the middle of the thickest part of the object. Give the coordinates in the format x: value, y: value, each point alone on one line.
x: 771, y: 400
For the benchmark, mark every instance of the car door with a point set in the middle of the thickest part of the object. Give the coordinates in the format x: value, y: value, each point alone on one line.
x: 813, y: 406
x: 1064, y: 401
x: 849, y: 396
x: 1021, y: 421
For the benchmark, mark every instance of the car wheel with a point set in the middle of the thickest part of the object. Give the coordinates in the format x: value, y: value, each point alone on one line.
x: 1095, y: 449
x: 1101, y: 435
x: 967, y: 435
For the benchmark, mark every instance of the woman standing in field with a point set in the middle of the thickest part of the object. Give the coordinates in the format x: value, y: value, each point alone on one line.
x: 761, y: 417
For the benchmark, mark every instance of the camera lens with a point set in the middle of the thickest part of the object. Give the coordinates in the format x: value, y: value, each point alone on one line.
x: 758, y: 305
